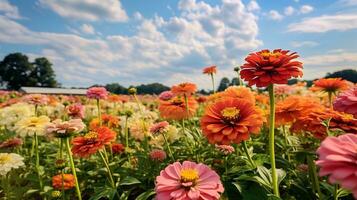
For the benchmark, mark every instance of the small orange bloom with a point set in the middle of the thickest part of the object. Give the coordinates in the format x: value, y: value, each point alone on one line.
x: 267, y: 67
x: 231, y: 121
x: 210, y: 70
x: 68, y: 181
x: 109, y: 121
x: 175, y: 108
x: 114, y: 98
x: 184, y: 89
x: 240, y: 92
x: 84, y: 146
x: 330, y: 85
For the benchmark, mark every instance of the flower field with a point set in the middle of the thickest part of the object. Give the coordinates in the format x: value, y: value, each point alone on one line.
x: 259, y: 140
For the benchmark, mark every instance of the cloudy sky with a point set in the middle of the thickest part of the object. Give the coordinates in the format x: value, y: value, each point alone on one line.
x: 170, y: 41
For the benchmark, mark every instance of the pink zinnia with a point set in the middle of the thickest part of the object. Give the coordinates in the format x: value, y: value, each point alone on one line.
x: 166, y: 95
x: 36, y: 99
x: 188, y: 181
x: 347, y: 102
x: 97, y: 93
x: 157, y: 155
x: 159, y: 127
x: 76, y: 110
x: 11, y: 143
x: 225, y: 149
x: 62, y: 129
x: 338, y: 159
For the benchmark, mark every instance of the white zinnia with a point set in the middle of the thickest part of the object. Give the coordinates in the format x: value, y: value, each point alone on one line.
x: 9, y: 161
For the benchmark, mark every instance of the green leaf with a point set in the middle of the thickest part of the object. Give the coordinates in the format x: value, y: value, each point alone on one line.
x: 145, y: 195
x: 129, y: 181
x: 103, y: 192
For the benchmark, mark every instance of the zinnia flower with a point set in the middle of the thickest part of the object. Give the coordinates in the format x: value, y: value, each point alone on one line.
x: 10, y: 115
x: 84, y: 146
x: 338, y: 160
x: 176, y: 108
x: 109, y: 121
x: 31, y: 125
x: 157, y: 155
x: 63, y: 129
x: 347, y: 102
x: 158, y: 128
x: 36, y: 99
x: 97, y: 93
x: 184, y: 89
x: 11, y: 143
x: 210, y: 70
x: 76, y: 110
x: 231, y: 120
x: 68, y: 181
x: 330, y: 85
x: 239, y: 92
x: 9, y: 161
x: 270, y: 67
x: 225, y: 149
x: 117, y: 148
x: 188, y: 181
x: 166, y: 95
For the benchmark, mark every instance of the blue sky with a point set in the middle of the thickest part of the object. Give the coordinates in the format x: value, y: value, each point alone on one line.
x: 170, y: 41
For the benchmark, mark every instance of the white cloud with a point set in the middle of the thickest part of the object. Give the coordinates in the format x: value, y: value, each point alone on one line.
x: 91, y: 10
x: 304, y: 44
x: 324, y: 23
x: 348, y: 2
x: 275, y: 15
x: 253, y: 6
x: 289, y: 11
x: 9, y: 10
x: 138, y: 16
x: 87, y: 29
x: 304, y: 9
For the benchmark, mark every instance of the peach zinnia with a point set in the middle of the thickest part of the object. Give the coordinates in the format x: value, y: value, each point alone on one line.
x: 270, y: 67
x: 184, y: 89
x: 176, y: 108
x: 188, y: 181
x: 231, y: 121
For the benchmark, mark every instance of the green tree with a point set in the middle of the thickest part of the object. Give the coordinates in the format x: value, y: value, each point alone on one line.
x: 116, y: 88
x: 225, y: 82
x: 235, y: 81
x: 152, y: 88
x: 347, y: 74
x: 43, y: 74
x: 15, y: 71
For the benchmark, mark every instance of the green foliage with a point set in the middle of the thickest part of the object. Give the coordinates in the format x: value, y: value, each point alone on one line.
x: 347, y: 74
x: 225, y: 83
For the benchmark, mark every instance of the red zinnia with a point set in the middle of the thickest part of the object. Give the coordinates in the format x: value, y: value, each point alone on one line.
x: 231, y: 121
x: 84, y: 146
x: 267, y: 67
x: 210, y: 70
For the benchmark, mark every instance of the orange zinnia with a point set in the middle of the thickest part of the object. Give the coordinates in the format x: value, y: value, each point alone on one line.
x: 109, y: 121
x: 330, y: 85
x: 231, y: 121
x: 267, y: 67
x: 240, y: 92
x: 68, y: 181
x: 184, y: 89
x: 343, y: 121
x: 175, y: 108
x: 84, y: 146
x: 210, y: 70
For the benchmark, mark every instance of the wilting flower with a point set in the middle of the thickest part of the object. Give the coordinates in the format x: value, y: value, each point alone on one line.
x: 347, y: 102
x: 31, y: 125
x: 225, y: 149
x: 97, y: 93
x: 11, y: 143
x: 76, y: 110
x: 331, y: 85
x: 63, y: 129
x: 68, y: 181
x: 337, y: 159
x: 118, y: 148
x: 166, y: 95
x: 210, y: 70
x: 109, y: 121
x: 176, y: 108
x: 159, y: 128
x: 270, y: 67
x: 157, y: 155
x: 188, y: 181
x: 184, y: 89
x: 90, y: 143
x: 231, y: 120
x: 36, y: 99
x: 9, y: 161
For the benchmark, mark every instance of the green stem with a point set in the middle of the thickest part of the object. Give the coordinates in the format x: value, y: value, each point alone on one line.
x: 62, y: 173
x: 38, y: 162
x: 105, y: 161
x: 168, y: 148
x: 99, y: 113
x: 330, y: 99
x: 245, y: 148
x: 314, y: 177
x: 240, y: 82
x: 213, y: 87
x: 271, y: 140
x: 69, y: 152
x: 335, y: 192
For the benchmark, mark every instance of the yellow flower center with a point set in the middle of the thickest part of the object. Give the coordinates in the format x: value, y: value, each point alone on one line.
x: 189, y: 175
x: 4, y: 159
x: 91, y: 135
x: 33, y: 122
x: 230, y: 113
x: 266, y: 55
x: 347, y: 117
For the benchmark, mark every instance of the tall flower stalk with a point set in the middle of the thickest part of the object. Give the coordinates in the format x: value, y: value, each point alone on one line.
x: 211, y: 71
x: 73, y: 168
x: 38, y: 161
